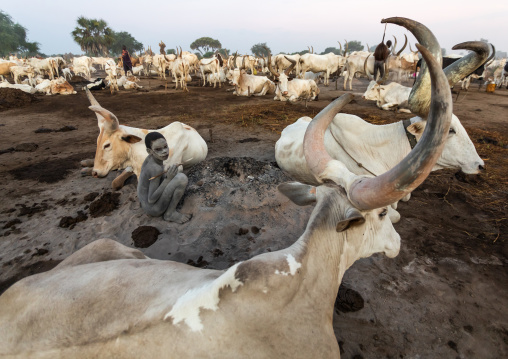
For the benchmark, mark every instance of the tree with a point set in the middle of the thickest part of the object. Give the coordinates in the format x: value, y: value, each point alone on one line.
x: 171, y: 52
x: 225, y: 52
x: 94, y: 36
x: 259, y: 49
x: 206, y: 44
x: 13, y: 38
x: 354, y: 46
x: 335, y: 50
x: 303, y: 52
x: 124, y: 38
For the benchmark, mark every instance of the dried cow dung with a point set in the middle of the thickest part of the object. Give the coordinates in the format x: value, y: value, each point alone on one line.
x: 105, y: 204
x: 145, y: 236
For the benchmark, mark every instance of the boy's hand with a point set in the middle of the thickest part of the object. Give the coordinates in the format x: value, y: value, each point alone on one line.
x: 172, y: 172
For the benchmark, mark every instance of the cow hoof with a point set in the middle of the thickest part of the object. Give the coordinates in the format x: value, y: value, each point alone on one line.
x: 87, y: 163
x: 87, y: 171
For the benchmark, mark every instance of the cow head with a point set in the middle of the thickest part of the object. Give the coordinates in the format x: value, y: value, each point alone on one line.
x: 113, y: 144
x: 373, y: 91
x: 368, y: 232
x: 459, y: 151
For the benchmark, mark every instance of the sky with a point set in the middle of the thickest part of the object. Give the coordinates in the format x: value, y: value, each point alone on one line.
x: 286, y: 26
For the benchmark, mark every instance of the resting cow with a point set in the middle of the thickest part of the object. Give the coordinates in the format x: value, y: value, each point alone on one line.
x: 372, y: 150
x: 119, y: 146
x: 109, y: 300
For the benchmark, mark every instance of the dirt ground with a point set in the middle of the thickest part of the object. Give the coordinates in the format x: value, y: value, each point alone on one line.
x: 444, y: 296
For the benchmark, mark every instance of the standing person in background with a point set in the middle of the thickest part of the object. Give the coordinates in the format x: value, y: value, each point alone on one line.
x: 126, y: 59
x: 380, y: 55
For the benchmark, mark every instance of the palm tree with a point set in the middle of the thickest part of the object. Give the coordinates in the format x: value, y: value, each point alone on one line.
x: 94, y: 36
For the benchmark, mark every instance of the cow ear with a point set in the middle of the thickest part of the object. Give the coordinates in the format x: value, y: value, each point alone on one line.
x: 353, y: 217
x: 417, y: 128
x: 298, y: 193
x: 131, y: 139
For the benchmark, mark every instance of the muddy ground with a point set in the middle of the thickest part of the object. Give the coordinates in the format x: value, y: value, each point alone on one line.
x: 444, y: 296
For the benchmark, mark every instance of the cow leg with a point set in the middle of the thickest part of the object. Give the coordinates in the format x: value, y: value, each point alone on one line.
x: 119, y: 181
x: 101, y: 250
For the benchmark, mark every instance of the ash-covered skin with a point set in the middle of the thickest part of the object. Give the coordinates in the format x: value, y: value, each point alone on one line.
x: 160, y: 196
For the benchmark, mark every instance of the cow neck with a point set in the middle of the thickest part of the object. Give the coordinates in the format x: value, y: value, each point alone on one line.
x: 371, y: 139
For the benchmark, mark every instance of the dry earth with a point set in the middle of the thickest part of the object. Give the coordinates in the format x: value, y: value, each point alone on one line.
x: 444, y: 296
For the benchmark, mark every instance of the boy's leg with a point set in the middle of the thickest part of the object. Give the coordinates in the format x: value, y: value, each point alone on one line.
x: 179, y: 185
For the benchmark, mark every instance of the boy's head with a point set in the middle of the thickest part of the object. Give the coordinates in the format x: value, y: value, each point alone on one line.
x: 389, y: 43
x: 157, y: 146
x: 124, y: 47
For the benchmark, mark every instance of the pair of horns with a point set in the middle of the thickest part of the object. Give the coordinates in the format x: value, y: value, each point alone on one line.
x: 368, y: 193
x: 420, y: 96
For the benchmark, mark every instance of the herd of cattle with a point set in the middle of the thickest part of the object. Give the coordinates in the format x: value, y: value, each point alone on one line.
x: 110, y: 300
x: 293, y: 77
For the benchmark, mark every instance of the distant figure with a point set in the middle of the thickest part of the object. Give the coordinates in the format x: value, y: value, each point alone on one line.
x: 126, y: 59
x: 380, y: 55
x: 159, y: 192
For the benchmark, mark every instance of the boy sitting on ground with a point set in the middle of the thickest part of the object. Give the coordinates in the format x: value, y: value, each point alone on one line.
x: 160, y: 192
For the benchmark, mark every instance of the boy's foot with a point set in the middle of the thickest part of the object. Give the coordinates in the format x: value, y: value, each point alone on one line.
x: 178, y: 217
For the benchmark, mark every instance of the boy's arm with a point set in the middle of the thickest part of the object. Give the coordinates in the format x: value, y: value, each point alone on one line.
x: 156, y: 187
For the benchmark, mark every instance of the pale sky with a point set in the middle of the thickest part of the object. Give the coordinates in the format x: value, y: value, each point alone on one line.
x: 286, y: 26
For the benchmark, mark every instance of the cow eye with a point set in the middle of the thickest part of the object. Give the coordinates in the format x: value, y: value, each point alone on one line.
x: 107, y: 145
x: 383, y: 213
x: 452, y: 131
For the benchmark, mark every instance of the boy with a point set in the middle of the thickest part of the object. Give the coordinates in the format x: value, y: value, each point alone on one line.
x: 160, y: 195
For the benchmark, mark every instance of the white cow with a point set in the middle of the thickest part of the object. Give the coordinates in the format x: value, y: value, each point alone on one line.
x: 211, y: 66
x: 18, y: 71
x: 292, y: 89
x: 83, y: 63
x: 110, y: 299
x: 251, y: 85
x: 393, y: 96
x: 111, y: 72
x: 327, y: 64
x: 22, y: 87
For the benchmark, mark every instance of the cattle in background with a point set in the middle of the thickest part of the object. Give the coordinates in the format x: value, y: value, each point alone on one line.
x: 292, y: 89
x: 250, y: 85
x: 382, y: 147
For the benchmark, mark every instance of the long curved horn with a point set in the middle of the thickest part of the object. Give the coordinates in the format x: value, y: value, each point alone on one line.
x: 368, y: 48
x: 342, y: 53
x: 366, y: 70
x: 181, y: 52
x: 346, y: 50
x: 387, y: 71
x: 234, y: 60
x: 469, y: 63
x: 270, y: 63
x: 308, y: 48
x: 369, y: 193
x: 403, y: 47
x: 419, y: 98
x: 410, y: 49
x: 221, y: 62
x: 293, y: 64
x: 394, y: 46
x: 489, y: 60
x: 313, y: 142
x: 312, y: 49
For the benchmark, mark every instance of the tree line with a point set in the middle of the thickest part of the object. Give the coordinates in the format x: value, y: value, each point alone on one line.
x: 95, y: 38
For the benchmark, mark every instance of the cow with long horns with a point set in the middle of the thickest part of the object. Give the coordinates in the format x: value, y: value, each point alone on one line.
x: 366, y: 149
x: 250, y: 85
x: 107, y: 299
x: 292, y: 90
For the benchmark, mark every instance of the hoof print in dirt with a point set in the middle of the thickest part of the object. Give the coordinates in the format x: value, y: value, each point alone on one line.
x: 61, y: 129
x: 200, y: 263
x: 30, y: 211
x: 348, y: 300
x: 40, y: 252
x: 70, y: 222
x: 12, y: 223
x: 145, y: 236
x: 105, y: 204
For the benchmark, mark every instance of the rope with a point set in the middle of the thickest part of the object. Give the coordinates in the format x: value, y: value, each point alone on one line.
x: 357, y: 163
